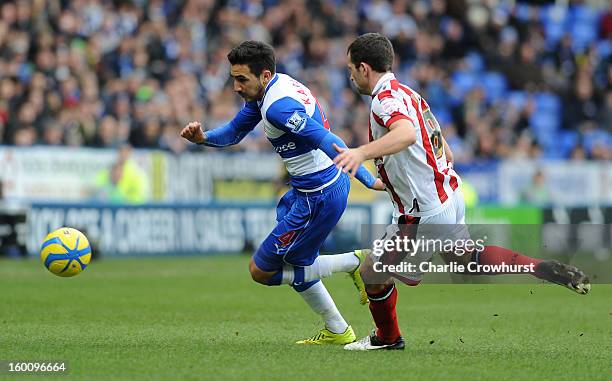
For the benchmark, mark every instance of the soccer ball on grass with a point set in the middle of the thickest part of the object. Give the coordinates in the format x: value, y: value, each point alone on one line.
x: 65, y: 252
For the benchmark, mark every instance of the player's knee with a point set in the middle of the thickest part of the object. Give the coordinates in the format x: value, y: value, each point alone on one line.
x: 464, y: 259
x: 378, y: 288
x: 374, y: 288
x: 257, y: 274
x: 367, y: 269
x: 375, y: 282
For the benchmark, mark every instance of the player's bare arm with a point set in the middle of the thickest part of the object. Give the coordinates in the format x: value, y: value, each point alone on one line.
x: 400, y: 136
x: 379, y: 185
x: 448, y: 152
x: 193, y: 132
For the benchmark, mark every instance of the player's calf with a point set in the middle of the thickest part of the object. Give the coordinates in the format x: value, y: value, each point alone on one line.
x: 494, y: 260
x: 383, y: 299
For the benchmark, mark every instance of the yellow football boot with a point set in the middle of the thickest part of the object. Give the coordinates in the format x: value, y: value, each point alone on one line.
x: 326, y: 336
x: 356, y: 276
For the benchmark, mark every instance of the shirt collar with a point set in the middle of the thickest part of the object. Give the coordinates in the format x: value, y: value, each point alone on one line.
x: 381, y: 81
x: 268, y: 86
x: 272, y: 82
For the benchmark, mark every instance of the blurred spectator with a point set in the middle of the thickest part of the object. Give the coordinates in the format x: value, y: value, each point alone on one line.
x: 536, y: 193
x: 581, y: 104
x: 605, y: 113
x: 123, y: 183
x: 102, y: 73
x: 107, y: 185
x: 578, y: 153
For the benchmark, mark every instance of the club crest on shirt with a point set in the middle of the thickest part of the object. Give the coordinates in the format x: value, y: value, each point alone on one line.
x: 296, y: 122
x: 390, y: 106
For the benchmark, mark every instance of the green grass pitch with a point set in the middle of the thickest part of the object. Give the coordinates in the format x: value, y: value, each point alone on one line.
x: 204, y: 319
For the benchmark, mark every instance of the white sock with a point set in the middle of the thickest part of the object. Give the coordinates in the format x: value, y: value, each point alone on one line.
x: 321, y: 302
x: 288, y: 275
x: 326, y: 265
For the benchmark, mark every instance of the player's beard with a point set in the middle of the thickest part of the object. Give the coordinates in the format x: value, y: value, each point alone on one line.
x: 260, y: 92
x: 257, y: 96
x: 357, y: 89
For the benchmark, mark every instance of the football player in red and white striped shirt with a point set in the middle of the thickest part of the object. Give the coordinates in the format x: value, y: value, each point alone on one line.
x: 415, y: 163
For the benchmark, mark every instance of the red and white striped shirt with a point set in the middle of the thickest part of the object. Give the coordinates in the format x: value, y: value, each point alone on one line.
x: 418, y: 178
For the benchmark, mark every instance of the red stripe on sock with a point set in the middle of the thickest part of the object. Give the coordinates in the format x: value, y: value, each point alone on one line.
x: 385, y: 316
x: 496, y: 255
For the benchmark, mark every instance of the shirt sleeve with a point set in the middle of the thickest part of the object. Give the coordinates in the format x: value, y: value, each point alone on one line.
x: 388, y: 109
x: 234, y: 131
x: 289, y: 115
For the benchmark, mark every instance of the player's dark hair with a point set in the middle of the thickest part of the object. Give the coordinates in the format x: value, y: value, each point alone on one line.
x: 374, y: 49
x: 257, y: 55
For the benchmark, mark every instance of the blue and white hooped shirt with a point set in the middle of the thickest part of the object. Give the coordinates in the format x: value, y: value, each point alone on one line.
x: 295, y: 124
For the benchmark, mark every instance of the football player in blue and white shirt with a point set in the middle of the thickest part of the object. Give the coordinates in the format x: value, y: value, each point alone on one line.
x: 295, y: 124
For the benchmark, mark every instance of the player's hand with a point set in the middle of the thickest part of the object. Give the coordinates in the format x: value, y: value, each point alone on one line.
x: 348, y: 160
x: 193, y: 132
x: 379, y: 185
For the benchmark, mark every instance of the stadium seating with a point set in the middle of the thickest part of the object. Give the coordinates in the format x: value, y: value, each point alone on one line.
x: 172, y: 49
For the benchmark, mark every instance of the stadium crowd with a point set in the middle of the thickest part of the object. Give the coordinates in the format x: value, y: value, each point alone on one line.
x: 504, y: 79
